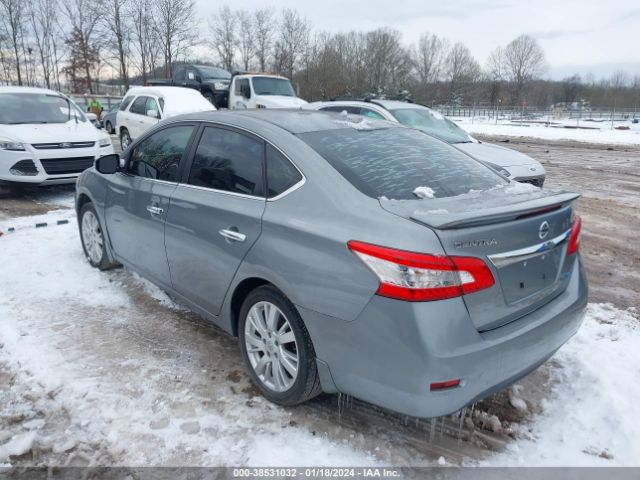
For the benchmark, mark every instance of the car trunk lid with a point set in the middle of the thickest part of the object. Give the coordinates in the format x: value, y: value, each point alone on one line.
x: 519, y: 231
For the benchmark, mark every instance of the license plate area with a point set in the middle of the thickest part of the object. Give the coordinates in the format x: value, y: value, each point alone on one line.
x: 530, y: 274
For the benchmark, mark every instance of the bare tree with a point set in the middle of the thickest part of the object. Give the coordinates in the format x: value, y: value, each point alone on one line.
x: 462, y: 70
x: 524, y: 60
x: 84, y: 17
x: 388, y: 62
x: 245, y: 38
x: 223, y: 35
x: 177, y: 28
x: 116, y: 23
x: 12, y: 14
x: 429, y: 56
x: 43, y: 17
x: 292, y: 41
x: 264, y: 26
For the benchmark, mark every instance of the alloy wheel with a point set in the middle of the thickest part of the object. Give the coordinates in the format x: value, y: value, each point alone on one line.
x: 271, y: 346
x: 92, y: 237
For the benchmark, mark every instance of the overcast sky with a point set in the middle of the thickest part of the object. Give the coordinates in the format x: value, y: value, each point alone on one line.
x: 597, y: 36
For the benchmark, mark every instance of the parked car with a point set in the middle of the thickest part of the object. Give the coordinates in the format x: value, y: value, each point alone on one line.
x: 45, y: 138
x: 515, y: 165
x: 143, y: 107
x: 262, y: 91
x: 315, y: 240
x: 108, y: 119
x: 211, y: 82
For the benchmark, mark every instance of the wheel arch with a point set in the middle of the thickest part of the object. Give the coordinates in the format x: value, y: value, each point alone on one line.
x: 240, y: 292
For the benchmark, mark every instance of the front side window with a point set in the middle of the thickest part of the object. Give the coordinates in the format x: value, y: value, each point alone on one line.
x: 138, y: 105
x: 152, y: 105
x: 281, y: 174
x: 393, y: 162
x: 229, y: 161
x: 367, y: 112
x: 159, y: 155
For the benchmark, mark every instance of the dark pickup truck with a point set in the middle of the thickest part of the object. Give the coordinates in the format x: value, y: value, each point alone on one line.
x: 212, y: 82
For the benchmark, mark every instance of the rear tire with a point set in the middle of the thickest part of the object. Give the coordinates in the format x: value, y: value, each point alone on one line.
x: 125, y: 139
x: 270, y: 347
x: 93, y: 238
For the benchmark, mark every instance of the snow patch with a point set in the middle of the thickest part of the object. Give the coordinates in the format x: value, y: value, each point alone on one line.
x: 424, y: 192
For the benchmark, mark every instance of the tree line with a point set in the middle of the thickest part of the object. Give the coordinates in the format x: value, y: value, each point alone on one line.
x: 75, y: 45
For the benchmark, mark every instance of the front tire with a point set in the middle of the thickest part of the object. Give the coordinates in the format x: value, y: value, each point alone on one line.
x: 277, y: 348
x: 109, y: 128
x: 209, y: 96
x: 125, y: 139
x: 93, y: 239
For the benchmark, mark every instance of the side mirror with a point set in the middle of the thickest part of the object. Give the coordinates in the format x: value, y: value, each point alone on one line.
x: 108, y: 164
x: 153, y: 113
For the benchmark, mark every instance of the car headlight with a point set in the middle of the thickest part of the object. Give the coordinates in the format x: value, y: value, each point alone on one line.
x: 105, y: 142
x: 11, y: 145
x: 220, y: 85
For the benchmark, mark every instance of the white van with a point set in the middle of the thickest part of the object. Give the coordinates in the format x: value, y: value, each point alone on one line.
x: 143, y: 107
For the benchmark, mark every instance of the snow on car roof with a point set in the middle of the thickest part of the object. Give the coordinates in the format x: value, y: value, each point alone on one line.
x: 177, y: 100
x: 28, y: 90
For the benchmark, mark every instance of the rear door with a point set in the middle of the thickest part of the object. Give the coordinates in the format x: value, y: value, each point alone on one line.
x: 215, y: 215
x: 138, y: 200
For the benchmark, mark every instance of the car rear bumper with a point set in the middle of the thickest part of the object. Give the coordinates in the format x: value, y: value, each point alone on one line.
x: 394, y: 351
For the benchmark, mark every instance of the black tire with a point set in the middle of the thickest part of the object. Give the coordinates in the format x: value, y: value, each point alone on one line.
x: 125, y: 139
x: 307, y: 382
x: 209, y: 96
x: 109, y: 128
x: 103, y: 263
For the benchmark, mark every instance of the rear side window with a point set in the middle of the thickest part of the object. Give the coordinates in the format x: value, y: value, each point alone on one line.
x: 125, y: 103
x: 281, y: 174
x: 342, y: 108
x: 229, y: 161
x: 393, y: 162
x: 159, y: 155
x: 138, y: 105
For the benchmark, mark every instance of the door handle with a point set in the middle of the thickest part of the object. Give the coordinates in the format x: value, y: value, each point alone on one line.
x: 153, y: 210
x: 233, y: 235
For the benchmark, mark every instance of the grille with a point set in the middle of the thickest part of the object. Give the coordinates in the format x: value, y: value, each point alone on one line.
x: 24, y: 168
x: 62, y: 145
x: 60, y: 166
x: 537, y: 182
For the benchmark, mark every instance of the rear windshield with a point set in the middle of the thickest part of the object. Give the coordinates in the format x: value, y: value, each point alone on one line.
x: 394, y: 162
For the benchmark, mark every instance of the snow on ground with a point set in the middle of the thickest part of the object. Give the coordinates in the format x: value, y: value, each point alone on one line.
x: 106, y: 389
x: 590, y: 417
x: 602, y: 134
x: 100, y: 368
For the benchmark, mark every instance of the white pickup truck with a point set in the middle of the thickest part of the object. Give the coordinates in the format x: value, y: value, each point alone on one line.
x: 262, y: 91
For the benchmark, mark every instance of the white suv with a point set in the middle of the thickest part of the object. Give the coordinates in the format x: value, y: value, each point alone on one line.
x: 45, y: 138
x: 143, y: 107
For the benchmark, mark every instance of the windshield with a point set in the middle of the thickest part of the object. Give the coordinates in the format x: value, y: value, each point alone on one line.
x: 214, y: 72
x: 19, y: 108
x: 272, y: 86
x: 398, y: 163
x: 431, y: 122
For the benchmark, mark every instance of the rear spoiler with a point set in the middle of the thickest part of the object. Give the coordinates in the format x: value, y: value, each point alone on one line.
x: 503, y: 213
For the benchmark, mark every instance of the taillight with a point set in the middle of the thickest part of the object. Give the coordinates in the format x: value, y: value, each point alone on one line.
x: 419, y: 277
x: 574, y: 239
